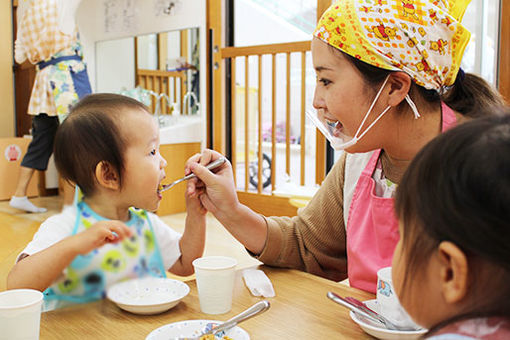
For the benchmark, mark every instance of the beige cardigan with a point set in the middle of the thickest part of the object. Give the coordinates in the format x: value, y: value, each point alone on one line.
x: 315, y: 239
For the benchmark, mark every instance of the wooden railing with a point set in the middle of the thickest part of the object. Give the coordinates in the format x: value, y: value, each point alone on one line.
x: 171, y: 83
x: 257, y: 52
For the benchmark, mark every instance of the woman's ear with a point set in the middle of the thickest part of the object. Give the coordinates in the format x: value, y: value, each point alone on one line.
x: 454, y: 270
x: 399, y: 85
x: 106, y: 176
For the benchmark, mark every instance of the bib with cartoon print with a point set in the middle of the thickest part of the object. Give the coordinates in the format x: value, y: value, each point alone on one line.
x: 88, y: 276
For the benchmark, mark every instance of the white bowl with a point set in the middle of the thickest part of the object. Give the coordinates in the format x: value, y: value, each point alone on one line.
x: 150, y: 295
x: 380, y: 332
x: 193, y: 328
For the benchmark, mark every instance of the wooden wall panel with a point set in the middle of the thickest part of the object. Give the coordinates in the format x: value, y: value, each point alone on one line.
x: 504, y: 51
x: 176, y: 155
x: 215, y: 23
x: 267, y: 205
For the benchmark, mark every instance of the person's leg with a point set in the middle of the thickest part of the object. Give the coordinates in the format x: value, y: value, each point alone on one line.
x: 37, y: 157
x: 25, y: 174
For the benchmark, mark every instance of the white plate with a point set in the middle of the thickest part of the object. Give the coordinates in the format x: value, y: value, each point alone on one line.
x: 192, y: 328
x: 380, y: 332
x: 150, y: 295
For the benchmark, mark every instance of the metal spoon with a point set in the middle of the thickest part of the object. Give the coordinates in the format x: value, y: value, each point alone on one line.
x: 210, y: 166
x: 359, y: 307
x: 256, y: 309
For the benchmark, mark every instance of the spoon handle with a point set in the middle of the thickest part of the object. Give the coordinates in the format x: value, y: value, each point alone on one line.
x: 256, y: 309
x: 340, y: 300
x: 210, y: 166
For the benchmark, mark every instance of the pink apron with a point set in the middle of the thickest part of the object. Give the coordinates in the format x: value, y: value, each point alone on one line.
x: 372, y: 228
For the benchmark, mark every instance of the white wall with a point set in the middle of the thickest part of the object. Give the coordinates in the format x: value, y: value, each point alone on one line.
x: 111, y: 75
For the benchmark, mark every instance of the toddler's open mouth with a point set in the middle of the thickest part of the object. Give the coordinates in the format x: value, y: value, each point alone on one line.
x: 159, y: 189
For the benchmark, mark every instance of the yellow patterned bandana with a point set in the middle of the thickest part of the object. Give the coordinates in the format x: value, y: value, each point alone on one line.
x: 423, y: 38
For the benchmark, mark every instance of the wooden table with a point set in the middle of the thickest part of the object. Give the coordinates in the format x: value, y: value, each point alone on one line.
x: 300, y: 310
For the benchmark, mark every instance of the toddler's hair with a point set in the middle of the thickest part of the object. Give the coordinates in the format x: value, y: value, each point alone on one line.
x: 90, y: 135
x: 457, y: 189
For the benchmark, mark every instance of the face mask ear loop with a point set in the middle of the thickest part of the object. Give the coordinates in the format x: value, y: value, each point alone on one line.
x: 370, y: 109
x: 413, y: 107
x: 375, y: 121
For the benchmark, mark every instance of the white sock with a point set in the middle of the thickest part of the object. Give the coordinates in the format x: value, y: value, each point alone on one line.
x: 23, y: 203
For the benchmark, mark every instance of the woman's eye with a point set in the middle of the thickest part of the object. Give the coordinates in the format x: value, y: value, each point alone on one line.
x: 324, y: 81
x: 153, y: 152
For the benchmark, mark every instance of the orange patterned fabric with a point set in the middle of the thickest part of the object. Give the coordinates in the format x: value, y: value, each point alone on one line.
x: 39, y: 36
x: 423, y: 38
x: 38, y: 39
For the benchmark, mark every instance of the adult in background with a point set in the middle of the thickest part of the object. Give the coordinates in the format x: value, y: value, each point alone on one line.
x: 47, y: 37
x: 388, y: 81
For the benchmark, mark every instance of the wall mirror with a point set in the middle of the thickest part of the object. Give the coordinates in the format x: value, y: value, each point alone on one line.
x: 161, y: 69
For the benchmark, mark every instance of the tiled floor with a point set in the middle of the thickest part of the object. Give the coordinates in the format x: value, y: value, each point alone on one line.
x: 17, y: 229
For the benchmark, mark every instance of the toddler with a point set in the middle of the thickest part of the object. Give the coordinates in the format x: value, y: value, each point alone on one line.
x: 451, y: 267
x: 109, y: 147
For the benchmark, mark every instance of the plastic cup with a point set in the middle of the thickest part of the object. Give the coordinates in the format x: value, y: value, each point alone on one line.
x: 20, y: 314
x: 389, y: 305
x: 215, y: 282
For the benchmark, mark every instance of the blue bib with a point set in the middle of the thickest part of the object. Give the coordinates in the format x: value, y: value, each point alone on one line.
x: 88, y: 276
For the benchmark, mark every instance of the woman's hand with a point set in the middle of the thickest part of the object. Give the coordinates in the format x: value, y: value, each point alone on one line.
x: 99, y: 234
x: 216, y: 191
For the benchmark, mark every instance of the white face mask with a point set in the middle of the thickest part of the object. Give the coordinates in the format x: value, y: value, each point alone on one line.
x: 334, y: 131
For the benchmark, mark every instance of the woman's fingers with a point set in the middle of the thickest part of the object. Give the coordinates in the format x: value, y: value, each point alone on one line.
x: 193, y: 159
x: 207, y: 156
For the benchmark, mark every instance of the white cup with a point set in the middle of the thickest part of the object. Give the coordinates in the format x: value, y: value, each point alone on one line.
x: 389, y: 305
x: 215, y: 282
x: 20, y: 314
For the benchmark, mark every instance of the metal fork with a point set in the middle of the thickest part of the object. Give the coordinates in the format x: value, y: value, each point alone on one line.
x: 210, y: 166
x: 256, y: 309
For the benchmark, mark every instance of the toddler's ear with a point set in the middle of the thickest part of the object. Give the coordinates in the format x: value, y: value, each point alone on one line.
x: 107, y: 176
x: 454, y: 272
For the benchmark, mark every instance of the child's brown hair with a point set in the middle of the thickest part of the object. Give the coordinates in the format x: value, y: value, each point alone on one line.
x: 457, y: 189
x: 91, y: 135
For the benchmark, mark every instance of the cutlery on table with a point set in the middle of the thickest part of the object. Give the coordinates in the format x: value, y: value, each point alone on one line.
x: 256, y: 309
x: 360, y: 308
x: 210, y: 166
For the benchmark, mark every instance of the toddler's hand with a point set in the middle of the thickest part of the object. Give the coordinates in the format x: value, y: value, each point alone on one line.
x: 194, y: 205
x: 101, y: 233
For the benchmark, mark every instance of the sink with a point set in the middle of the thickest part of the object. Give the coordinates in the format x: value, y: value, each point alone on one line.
x: 180, y: 129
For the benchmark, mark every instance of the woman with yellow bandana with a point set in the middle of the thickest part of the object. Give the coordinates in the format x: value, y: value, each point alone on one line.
x: 388, y: 81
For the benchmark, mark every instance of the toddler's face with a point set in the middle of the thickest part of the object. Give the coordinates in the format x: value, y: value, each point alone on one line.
x: 418, y: 289
x: 144, y: 165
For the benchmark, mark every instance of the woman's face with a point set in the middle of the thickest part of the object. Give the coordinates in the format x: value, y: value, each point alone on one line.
x: 342, y: 96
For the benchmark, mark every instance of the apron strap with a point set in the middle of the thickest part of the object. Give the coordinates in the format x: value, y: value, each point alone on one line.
x: 448, y: 116
x: 53, y: 61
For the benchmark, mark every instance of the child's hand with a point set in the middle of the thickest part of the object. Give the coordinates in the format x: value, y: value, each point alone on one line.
x: 194, y: 205
x: 101, y: 233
